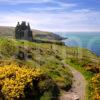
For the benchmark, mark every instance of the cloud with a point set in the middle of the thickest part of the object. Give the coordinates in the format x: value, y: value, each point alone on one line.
x: 82, y: 10
x: 60, y: 7
x: 80, y: 20
x: 24, y: 1
x: 58, y: 4
x: 56, y: 7
x: 59, y: 17
x: 62, y: 4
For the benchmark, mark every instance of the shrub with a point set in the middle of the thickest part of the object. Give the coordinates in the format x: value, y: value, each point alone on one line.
x: 95, y: 87
x: 23, y: 83
x: 13, y: 81
x: 60, y: 75
x: 95, y: 68
x: 7, y: 48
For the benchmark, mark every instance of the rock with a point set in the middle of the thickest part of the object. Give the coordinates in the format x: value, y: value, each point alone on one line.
x: 76, y: 97
x: 70, y: 96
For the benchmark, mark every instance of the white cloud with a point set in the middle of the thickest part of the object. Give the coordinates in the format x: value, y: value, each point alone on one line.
x: 62, y: 21
x: 60, y: 6
x: 43, y: 19
x: 24, y: 1
x: 82, y: 10
x: 45, y: 9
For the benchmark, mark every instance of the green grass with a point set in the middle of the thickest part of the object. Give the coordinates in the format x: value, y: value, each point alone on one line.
x: 48, y: 57
x: 9, y: 32
x: 87, y: 74
x: 36, y: 55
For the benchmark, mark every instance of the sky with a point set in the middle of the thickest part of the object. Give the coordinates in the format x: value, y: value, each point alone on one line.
x: 52, y: 15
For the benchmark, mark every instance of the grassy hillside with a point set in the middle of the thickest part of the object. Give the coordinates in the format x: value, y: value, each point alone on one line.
x: 48, y: 58
x: 41, y: 70
x: 6, y: 31
x: 37, y: 34
x: 32, y: 69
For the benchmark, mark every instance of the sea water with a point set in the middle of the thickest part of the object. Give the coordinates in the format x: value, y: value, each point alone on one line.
x: 89, y: 40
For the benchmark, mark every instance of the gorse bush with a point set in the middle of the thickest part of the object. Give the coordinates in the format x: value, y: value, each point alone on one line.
x: 95, y: 87
x: 23, y: 83
x: 13, y: 81
x: 95, y: 80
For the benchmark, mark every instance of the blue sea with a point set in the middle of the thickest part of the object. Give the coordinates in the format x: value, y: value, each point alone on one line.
x: 89, y: 40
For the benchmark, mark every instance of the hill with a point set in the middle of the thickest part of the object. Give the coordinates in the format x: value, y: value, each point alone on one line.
x: 30, y: 66
x: 37, y: 34
x: 41, y: 64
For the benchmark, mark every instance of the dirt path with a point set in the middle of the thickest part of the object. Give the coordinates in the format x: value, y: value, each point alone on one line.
x: 78, y: 87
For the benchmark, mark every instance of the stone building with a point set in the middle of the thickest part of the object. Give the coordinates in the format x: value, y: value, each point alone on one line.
x: 23, y: 31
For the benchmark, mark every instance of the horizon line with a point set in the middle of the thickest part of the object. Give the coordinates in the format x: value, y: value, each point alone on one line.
x: 63, y: 31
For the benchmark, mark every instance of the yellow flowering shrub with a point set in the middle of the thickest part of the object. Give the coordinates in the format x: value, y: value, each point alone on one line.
x: 14, y: 79
x: 95, y: 85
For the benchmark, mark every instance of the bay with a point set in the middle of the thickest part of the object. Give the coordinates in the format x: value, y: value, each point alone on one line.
x: 89, y: 40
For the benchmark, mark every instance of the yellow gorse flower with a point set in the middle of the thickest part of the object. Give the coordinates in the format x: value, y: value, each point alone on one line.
x: 13, y: 80
x: 96, y: 86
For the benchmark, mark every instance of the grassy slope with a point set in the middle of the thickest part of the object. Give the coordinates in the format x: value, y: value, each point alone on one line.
x: 37, y: 55
x: 37, y: 34
x: 50, y: 55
